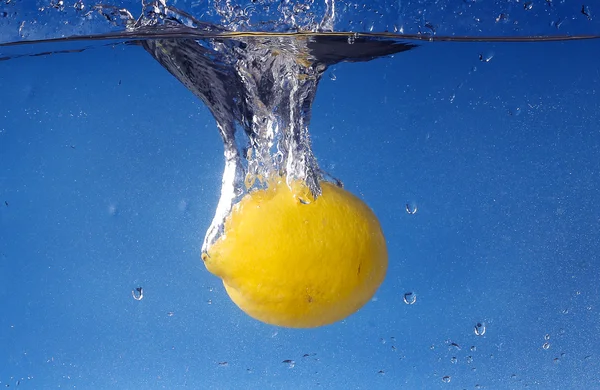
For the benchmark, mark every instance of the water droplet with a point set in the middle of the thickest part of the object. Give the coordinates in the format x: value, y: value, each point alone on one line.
x: 516, y: 111
x: 556, y: 360
x: 138, y: 293
x: 585, y: 10
x: 382, y: 341
x: 486, y: 57
x: 351, y: 40
x: 479, y: 329
x: 209, y: 301
x: 432, y: 347
x: 446, y: 379
x: 411, y: 208
x: 381, y: 372
x: 410, y: 298
x: 453, y: 360
x: 546, y: 337
x: 528, y: 6
x: 502, y: 18
x: 332, y: 76
x: 290, y: 363
x: 170, y: 314
x: 473, y: 348
x: 565, y: 311
x: 223, y: 364
x: 546, y: 346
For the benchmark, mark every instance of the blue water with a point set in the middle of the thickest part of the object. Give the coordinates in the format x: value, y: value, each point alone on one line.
x: 110, y: 171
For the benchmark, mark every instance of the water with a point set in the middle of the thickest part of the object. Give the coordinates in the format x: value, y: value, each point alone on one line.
x: 506, y: 207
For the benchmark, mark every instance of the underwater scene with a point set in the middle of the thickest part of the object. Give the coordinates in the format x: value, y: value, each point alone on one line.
x: 312, y: 194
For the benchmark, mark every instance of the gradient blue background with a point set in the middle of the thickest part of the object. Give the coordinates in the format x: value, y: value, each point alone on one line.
x: 111, y: 170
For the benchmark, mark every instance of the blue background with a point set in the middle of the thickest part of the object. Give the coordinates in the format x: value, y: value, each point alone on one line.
x: 111, y: 170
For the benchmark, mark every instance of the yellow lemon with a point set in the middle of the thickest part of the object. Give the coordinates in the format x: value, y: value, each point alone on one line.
x: 299, y: 265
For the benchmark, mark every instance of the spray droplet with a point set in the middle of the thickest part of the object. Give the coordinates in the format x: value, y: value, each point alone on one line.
x: 410, y: 298
x: 479, y: 329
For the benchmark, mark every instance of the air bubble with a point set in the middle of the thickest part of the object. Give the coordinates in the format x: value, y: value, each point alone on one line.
x: 410, y: 298
x: 469, y: 359
x: 546, y: 337
x: 453, y: 360
x: 446, y: 379
x: 473, y: 348
x: 486, y: 57
x: 411, y: 208
x: 138, y: 293
x: 546, y: 346
x: 479, y: 329
x: 290, y: 363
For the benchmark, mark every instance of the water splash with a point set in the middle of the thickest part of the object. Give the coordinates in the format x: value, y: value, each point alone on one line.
x: 260, y: 89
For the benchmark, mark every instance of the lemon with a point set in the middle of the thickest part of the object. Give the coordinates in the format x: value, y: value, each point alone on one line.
x: 292, y: 264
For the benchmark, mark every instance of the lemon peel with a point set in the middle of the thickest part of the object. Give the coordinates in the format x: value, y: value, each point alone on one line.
x: 292, y: 264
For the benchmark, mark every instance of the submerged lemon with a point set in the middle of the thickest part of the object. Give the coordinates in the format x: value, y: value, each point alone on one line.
x: 299, y: 265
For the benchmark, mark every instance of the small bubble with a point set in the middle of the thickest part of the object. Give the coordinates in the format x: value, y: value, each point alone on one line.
x: 565, y: 311
x: 411, y: 208
x: 479, y: 329
x: 138, y: 293
x: 432, y: 347
x: 381, y: 372
x: 469, y: 359
x: 382, y: 341
x: 486, y: 57
x: 410, y: 298
x: 170, y: 314
x: 516, y: 111
x: 585, y: 10
x: 290, y: 363
x: 453, y: 360
x: 556, y: 360
x: 502, y: 18
x: 546, y: 346
x: 209, y: 301
x: 446, y: 379
x: 546, y: 337
x: 528, y: 6
x: 473, y: 348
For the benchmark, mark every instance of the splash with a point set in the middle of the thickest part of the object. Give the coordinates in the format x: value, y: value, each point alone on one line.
x: 260, y: 89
